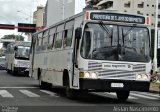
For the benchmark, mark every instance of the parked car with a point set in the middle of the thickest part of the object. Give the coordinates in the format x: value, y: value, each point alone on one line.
x: 2, y: 63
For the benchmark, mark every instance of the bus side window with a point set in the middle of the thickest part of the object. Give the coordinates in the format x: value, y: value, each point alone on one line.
x: 67, y: 38
x: 39, y: 42
x: 68, y: 33
x: 58, y: 40
x: 45, y: 40
x: 59, y: 36
x: 51, y: 37
x: 50, y: 41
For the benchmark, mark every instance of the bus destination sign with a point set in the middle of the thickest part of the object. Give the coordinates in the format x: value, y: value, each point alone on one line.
x: 118, y: 17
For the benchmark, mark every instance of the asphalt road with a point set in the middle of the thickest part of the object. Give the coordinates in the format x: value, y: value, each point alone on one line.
x: 22, y: 94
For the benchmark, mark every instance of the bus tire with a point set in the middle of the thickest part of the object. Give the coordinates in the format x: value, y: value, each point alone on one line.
x: 122, y: 95
x: 70, y: 93
x: 8, y: 71
x: 42, y: 84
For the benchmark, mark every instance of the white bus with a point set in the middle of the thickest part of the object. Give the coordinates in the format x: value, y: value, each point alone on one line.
x: 17, y: 57
x: 94, y: 51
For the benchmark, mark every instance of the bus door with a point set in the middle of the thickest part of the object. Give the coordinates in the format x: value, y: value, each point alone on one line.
x: 31, y: 58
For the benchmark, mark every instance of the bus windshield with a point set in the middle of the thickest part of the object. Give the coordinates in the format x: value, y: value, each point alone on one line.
x: 115, y: 43
x: 22, y: 52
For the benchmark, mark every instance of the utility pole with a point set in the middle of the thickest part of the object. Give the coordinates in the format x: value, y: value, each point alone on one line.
x: 155, y: 38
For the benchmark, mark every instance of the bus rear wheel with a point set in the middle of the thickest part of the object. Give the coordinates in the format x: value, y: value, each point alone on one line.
x: 122, y: 95
x: 44, y: 85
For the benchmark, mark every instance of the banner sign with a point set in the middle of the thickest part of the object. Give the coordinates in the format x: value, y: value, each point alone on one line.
x: 117, y: 17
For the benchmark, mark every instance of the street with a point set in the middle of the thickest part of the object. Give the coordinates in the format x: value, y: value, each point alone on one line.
x: 24, y: 91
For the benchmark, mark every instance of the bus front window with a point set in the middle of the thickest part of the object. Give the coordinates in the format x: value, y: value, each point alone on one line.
x: 22, y: 52
x: 115, y: 43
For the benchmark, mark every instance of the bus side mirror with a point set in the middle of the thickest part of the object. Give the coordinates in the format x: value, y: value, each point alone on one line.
x: 78, y: 33
x: 15, y: 48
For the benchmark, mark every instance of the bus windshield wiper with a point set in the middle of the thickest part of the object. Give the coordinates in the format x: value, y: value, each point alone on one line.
x: 104, y: 28
x: 127, y: 33
x: 107, y: 30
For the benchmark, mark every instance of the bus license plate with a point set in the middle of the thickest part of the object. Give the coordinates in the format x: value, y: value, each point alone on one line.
x: 117, y: 85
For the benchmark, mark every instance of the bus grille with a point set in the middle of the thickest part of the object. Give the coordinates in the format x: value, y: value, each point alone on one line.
x: 116, y: 74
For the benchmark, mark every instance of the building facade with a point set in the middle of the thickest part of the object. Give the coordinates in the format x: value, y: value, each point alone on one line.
x: 142, y: 7
x: 57, y: 10
x: 38, y: 16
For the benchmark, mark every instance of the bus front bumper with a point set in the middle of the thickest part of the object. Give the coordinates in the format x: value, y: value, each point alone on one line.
x: 113, y: 85
x: 21, y: 70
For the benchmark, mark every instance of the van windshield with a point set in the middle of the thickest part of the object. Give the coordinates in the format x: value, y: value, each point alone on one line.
x: 22, y: 52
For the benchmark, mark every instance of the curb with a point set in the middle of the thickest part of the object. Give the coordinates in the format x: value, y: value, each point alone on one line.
x: 157, y: 92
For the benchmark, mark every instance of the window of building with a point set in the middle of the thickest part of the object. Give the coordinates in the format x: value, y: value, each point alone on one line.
x: 141, y: 5
x: 127, y: 4
x: 147, y: 5
x: 152, y: 5
x: 125, y: 10
x: 152, y: 14
x: 147, y: 14
x: 138, y: 12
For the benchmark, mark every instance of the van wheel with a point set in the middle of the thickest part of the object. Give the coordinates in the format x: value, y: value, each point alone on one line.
x: 122, y: 95
x: 8, y: 71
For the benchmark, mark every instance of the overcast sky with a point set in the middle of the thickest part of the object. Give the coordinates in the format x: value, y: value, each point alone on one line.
x: 17, y: 11
x: 21, y: 11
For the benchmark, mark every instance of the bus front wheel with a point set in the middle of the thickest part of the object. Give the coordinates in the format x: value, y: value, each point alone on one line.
x: 122, y: 95
x: 70, y: 93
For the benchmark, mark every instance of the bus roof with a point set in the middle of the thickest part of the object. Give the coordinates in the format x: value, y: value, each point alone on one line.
x: 106, y: 15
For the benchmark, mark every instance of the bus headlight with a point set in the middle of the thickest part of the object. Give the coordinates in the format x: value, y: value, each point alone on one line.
x: 86, y: 75
x: 91, y: 75
x: 142, y: 77
x: 138, y: 76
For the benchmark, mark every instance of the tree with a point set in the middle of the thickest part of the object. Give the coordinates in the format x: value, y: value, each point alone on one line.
x: 15, y: 37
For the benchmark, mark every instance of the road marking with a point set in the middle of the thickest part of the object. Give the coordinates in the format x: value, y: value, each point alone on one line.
x: 142, y: 96
x: 130, y: 97
x: 111, y: 94
x: 18, y: 87
x: 50, y: 93
x: 148, y: 94
x: 5, y: 93
x: 29, y: 93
